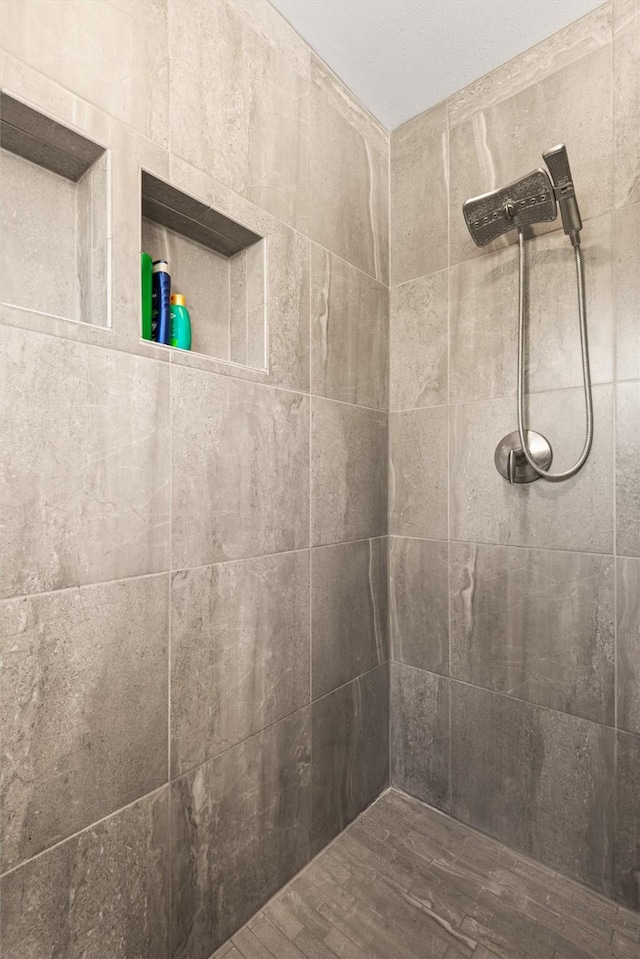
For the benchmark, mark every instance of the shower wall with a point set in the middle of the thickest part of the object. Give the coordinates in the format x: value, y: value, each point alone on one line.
x: 195, y: 678
x: 515, y: 611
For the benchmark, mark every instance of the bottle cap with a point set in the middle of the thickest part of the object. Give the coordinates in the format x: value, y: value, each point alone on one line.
x: 178, y: 299
x: 160, y: 266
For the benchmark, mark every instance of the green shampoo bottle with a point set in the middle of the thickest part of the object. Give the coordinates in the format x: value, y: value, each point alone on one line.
x: 180, y: 322
x: 146, y: 266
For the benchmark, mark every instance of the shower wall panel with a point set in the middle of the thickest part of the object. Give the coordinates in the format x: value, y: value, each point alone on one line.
x: 189, y: 708
x: 514, y: 613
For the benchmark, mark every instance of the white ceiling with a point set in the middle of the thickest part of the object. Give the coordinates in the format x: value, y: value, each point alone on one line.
x: 402, y: 56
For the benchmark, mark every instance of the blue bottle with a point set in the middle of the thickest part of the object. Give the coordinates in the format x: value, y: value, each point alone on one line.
x: 161, y: 303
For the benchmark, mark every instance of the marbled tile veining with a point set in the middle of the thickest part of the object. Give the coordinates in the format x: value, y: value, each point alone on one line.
x: 239, y: 650
x: 536, y: 624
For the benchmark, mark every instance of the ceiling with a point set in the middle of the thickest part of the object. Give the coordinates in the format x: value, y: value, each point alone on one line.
x: 402, y: 56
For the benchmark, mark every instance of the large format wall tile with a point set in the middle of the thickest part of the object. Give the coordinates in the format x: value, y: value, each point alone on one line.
x: 350, y: 749
x: 104, y: 892
x: 484, y: 316
x: 628, y: 638
x: 627, y: 291
x: 536, y: 624
x: 115, y: 55
x: 418, y: 452
x: 419, y: 603
x: 626, y: 100
x: 628, y: 468
x: 536, y: 779
x: 418, y: 360
x: 349, y: 332
x: 239, y: 652
x: 85, y: 464
x: 419, y: 196
x: 240, y: 106
x: 83, y: 702
x: 628, y: 820
x: 349, y: 176
x: 348, y: 612
x: 240, y: 830
x: 419, y: 736
x: 348, y: 472
x: 240, y: 469
x: 576, y: 514
x: 504, y: 141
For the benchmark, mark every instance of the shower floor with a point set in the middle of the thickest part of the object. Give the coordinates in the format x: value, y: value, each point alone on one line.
x: 405, y: 882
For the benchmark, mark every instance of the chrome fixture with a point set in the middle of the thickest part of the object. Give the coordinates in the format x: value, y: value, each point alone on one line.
x: 524, y: 456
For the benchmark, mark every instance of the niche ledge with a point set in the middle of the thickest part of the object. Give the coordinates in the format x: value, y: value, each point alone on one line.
x: 219, y: 265
x: 53, y: 217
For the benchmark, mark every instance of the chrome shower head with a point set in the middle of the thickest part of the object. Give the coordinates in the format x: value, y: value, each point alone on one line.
x: 558, y: 162
x: 515, y: 206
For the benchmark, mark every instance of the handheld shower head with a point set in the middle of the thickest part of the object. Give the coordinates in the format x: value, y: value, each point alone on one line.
x: 558, y: 162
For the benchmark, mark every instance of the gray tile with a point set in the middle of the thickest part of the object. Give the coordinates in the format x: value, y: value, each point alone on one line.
x: 348, y: 612
x: 244, y: 118
x: 419, y: 196
x: 419, y: 342
x: 35, y: 201
x: 240, y: 455
x: 626, y: 100
x: 419, y: 735
x: 627, y: 291
x: 349, y: 176
x: 418, y: 451
x: 555, y: 52
x: 240, y: 827
x: 628, y: 821
x: 69, y: 153
x: 349, y: 332
x: 536, y: 624
x: 419, y: 603
x: 628, y: 639
x: 127, y: 81
x: 536, y: 779
x: 484, y: 316
x: 85, y: 478
x: 83, y: 697
x: 348, y: 472
x: 286, y: 275
x: 628, y: 468
x: 239, y: 651
x: 104, y: 892
x: 485, y: 508
x: 572, y: 106
x: 350, y: 750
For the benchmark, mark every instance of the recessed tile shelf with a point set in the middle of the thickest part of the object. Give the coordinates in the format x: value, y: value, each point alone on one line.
x: 217, y: 264
x: 54, y: 219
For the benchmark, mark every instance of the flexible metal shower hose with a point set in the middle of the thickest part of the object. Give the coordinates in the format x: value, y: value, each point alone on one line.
x: 586, y: 371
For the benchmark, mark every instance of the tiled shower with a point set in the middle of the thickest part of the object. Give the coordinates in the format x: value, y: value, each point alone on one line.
x: 246, y: 589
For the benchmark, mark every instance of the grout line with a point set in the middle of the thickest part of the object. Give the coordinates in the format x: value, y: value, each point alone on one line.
x: 169, y: 591
x: 614, y: 785
x: 310, y: 559
x: 510, y: 697
x: 88, y: 828
x: 449, y: 448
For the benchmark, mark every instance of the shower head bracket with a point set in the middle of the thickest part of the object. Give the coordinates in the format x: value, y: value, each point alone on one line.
x: 520, y: 204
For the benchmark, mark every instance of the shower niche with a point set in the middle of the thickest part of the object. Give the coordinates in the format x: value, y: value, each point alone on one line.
x: 54, y: 220
x: 219, y: 266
